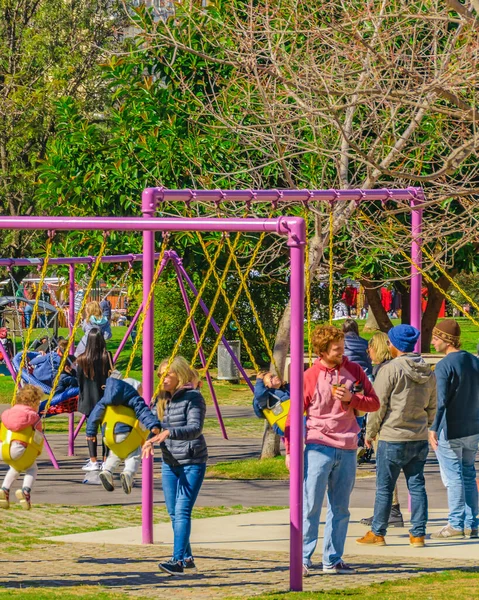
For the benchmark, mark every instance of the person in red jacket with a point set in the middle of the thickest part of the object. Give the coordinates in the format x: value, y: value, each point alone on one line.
x: 333, y: 388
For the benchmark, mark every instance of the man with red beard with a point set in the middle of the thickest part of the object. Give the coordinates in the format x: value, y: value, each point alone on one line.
x: 334, y: 388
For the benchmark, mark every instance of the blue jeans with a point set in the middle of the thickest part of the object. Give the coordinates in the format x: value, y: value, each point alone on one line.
x: 335, y: 470
x: 458, y: 473
x: 181, y: 486
x: 390, y: 459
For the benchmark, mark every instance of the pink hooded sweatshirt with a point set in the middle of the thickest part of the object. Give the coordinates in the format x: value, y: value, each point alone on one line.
x: 20, y: 417
x: 329, y: 422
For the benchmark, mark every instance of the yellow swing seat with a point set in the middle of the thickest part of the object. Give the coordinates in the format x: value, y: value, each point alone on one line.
x: 125, y: 416
x: 31, y: 437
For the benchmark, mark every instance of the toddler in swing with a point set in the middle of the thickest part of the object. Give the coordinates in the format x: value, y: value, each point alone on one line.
x: 121, y: 392
x: 22, y: 415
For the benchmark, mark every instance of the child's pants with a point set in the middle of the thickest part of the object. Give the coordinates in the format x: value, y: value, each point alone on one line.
x: 16, y: 451
x: 132, y: 461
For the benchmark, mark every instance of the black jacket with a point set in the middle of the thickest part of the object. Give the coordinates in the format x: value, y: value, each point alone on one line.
x: 91, y: 390
x: 184, y: 418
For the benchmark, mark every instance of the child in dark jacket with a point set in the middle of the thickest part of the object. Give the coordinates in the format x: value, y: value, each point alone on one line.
x: 121, y: 393
x: 268, y: 391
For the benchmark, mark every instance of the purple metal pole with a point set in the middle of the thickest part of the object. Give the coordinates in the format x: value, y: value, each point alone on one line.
x: 228, y: 348
x: 128, y: 331
x: 71, y: 320
x: 148, y: 206
x: 8, y: 362
x: 296, y: 242
x: 79, y: 426
x: 50, y: 453
x: 416, y: 277
x: 200, y: 352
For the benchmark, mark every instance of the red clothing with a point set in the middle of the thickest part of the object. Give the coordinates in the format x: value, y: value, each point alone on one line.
x: 386, y: 299
x: 329, y: 422
x: 350, y: 296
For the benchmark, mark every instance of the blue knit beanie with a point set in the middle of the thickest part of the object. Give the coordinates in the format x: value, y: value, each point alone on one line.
x: 404, y: 337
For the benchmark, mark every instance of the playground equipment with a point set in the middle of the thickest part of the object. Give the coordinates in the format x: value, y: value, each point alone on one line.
x: 34, y: 444
x: 292, y: 228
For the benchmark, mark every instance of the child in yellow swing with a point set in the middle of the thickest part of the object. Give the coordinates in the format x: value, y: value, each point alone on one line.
x: 125, y: 419
x: 20, y: 423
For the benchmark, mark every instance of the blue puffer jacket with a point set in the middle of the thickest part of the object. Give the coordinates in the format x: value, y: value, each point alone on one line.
x: 45, y: 366
x: 119, y: 393
x: 184, y: 418
x: 355, y: 349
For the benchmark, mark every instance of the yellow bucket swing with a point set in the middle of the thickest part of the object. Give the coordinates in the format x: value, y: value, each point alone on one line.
x: 126, y: 416
x: 34, y: 446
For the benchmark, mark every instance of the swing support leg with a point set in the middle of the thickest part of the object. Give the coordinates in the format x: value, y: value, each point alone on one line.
x: 71, y: 434
x: 79, y: 426
x: 131, y: 326
x: 50, y: 454
x: 8, y: 362
x: 201, y: 353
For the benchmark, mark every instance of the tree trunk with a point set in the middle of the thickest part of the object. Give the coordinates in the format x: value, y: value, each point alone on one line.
x: 271, y: 441
x: 405, y: 302
x: 434, y: 302
x: 381, y: 316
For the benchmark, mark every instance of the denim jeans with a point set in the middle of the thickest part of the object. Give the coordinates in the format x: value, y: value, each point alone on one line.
x: 335, y: 470
x: 390, y: 459
x: 458, y: 473
x: 181, y: 486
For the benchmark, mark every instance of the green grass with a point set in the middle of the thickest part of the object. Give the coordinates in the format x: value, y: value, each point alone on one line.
x: 252, y: 468
x: 87, y: 592
x: 23, y: 530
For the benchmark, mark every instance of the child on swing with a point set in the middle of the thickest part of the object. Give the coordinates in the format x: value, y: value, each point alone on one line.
x: 124, y: 392
x: 22, y: 415
x: 268, y: 391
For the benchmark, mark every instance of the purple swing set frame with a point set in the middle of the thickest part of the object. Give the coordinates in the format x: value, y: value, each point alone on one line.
x: 291, y: 227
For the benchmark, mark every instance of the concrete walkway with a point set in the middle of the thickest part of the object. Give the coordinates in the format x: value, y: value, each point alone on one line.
x: 269, y: 532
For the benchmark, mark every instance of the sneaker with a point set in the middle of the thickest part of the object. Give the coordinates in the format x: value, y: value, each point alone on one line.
x: 189, y: 564
x: 416, y: 542
x: 447, y: 532
x: 172, y: 567
x: 4, y: 498
x: 371, y: 539
x: 471, y: 533
x: 106, y: 479
x: 126, y: 482
x: 91, y: 466
x: 395, y: 518
x: 305, y: 571
x: 23, y: 498
x: 340, y: 568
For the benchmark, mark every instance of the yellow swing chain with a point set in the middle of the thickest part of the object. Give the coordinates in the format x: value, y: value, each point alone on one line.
x: 331, y: 263
x: 78, y: 319
x: 187, y: 324
x: 141, y: 319
x: 307, y: 284
x: 48, y: 251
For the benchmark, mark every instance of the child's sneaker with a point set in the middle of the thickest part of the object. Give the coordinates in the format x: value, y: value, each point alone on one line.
x: 23, y: 497
x: 4, y: 498
x: 126, y: 481
x: 106, y: 479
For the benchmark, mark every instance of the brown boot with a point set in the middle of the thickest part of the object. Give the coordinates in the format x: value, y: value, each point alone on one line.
x: 416, y: 542
x: 371, y: 539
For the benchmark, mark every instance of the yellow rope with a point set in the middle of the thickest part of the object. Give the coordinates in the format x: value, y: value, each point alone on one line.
x: 228, y: 304
x: 187, y: 324
x: 235, y: 300
x: 33, y: 318
x: 77, y: 322
x: 331, y: 265
x: 141, y: 319
x: 307, y: 282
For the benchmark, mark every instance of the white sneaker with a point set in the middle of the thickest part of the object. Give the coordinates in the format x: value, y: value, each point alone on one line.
x: 340, y: 568
x: 91, y: 466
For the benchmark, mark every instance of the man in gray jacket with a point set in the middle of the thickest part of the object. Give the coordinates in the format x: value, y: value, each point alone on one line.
x: 407, y: 391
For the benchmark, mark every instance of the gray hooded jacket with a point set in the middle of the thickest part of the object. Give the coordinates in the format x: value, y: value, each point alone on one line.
x: 406, y: 388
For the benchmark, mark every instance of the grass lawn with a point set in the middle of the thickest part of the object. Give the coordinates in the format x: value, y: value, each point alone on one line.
x: 87, y: 592
x: 448, y: 585
x: 252, y: 468
x: 23, y: 530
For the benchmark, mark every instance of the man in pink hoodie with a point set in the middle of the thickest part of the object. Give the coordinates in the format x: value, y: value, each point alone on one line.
x: 334, y: 388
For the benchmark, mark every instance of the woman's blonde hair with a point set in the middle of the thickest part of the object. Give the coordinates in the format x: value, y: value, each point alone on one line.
x: 92, y: 309
x: 29, y: 395
x: 379, y: 344
x: 186, y: 374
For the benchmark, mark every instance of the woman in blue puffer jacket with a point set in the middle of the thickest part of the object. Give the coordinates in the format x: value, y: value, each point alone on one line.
x: 181, y: 409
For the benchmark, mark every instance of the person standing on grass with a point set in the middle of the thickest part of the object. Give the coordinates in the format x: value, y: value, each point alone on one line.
x: 181, y: 409
x: 454, y: 434
x: 407, y: 390
x: 334, y: 387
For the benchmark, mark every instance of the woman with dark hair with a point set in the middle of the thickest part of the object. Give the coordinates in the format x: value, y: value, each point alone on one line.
x: 93, y: 368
